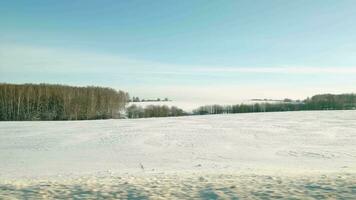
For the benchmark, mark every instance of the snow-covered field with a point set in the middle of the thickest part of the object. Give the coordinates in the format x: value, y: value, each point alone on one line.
x: 277, y: 144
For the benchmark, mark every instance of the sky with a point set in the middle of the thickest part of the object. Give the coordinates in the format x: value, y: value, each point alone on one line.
x: 189, y: 50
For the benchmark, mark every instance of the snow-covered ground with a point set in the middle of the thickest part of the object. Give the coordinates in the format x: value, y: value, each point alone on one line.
x: 258, y: 142
x: 297, y: 155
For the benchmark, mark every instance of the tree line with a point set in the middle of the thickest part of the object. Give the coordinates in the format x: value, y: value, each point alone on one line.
x: 137, y: 99
x: 135, y: 111
x: 59, y: 102
x: 317, y: 102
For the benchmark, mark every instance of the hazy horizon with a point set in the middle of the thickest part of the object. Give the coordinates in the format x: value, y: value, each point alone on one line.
x: 191, y: 51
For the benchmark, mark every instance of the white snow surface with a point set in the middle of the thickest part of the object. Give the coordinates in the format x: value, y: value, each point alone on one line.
x: 282, y: 142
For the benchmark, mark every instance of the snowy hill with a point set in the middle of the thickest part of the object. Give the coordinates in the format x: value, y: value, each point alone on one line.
x: 255, y: 142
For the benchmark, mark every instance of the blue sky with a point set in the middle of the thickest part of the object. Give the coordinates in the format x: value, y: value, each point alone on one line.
x: 186, y: 50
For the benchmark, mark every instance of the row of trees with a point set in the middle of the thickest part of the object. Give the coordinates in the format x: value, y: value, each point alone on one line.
x: 317, y: 102
x: 246, y: 108
x: 135, y: 111
x: 137, y: 99
x: 331, y: 102
x: 59, y: 102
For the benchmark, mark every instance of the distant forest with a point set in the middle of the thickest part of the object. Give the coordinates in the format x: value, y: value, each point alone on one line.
x: 137, y: 99
x: 59, y: 102
x: 134, y: 111
x: 317, y: 102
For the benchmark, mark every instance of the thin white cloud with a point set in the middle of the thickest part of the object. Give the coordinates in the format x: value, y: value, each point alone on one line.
x: 19, y: 58
x: 281, y: 70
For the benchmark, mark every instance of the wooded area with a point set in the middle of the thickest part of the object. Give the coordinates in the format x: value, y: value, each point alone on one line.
x: 59, y: 102
x: 317, y: 102
x: 134, y: 111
